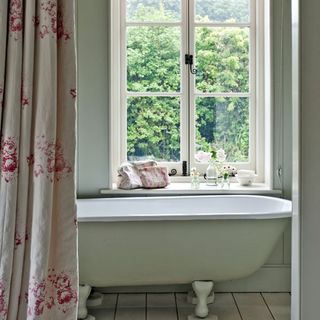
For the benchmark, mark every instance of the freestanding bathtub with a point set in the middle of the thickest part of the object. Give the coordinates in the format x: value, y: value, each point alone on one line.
x: 176, y: 240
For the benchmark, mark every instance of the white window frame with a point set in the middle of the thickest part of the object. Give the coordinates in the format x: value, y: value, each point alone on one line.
x: 259, y: 124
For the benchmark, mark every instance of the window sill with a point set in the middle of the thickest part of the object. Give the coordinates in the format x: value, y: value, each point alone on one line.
x: 185, y: 189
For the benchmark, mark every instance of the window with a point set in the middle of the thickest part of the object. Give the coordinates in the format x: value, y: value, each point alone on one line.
x: 167, y: 110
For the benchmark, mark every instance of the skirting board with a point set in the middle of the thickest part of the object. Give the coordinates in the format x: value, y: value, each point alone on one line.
x: 270, y: 278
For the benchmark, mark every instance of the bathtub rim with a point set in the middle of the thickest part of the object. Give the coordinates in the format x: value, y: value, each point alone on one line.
x: 287, y: 213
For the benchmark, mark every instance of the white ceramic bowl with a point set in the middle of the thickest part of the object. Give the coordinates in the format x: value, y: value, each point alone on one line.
x: 246, y: 173
x: 246, y: 180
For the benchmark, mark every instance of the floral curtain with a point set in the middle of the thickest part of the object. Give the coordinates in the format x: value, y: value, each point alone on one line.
x: 38, y: 235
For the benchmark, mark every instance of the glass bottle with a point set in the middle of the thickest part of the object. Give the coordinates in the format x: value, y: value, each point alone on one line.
x: 212, y: 174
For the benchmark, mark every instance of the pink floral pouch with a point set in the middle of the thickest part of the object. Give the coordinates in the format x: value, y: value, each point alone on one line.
x: 154, y: 177
x: 129, y: 175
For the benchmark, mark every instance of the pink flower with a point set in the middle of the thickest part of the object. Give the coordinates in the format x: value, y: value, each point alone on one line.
x: 50, y: 150
x: 203, y: 157
x: 39, y: 307
x: 16, y: 18
x: 9, y: 147
x: 44, y: 31
x: 64, y: 295
x: 16, y: 24
x: 221, y: 155
x: 9, y: 159
x: 18, y: 240
x: 50, y: 165
x: 60, y: 165
x: 9, y: 164
x: 62, y: 281
x: 50, y: 302
x: 39, y: 290
x: 49, y: 159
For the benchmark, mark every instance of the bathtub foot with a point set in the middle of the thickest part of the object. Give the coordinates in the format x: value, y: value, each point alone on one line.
x: 84, y: 292
x: 95, y: 299
x: 192, y: 298
x: 209, y: 317
x: 202, y: 290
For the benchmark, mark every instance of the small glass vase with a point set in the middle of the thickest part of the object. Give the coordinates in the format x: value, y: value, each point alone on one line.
x: 212, y: 174
x: 195, y: 181
x: 225, y: 182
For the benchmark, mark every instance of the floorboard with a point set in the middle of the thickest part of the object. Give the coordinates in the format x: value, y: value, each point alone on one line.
x: 130, y: 313
x: 279, y: 304
x: 106, y: 310
x: 136, y: 300
x: 102, y: 314
x: 224, y: 307
x: 161, y: 306
x: 252, y: 306
x: 184, y: 308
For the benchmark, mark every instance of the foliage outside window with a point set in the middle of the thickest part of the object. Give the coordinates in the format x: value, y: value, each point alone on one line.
x: 221, y: 86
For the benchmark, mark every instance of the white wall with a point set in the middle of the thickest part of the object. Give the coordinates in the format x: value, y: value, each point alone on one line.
x: 93, y: 96
x: 310, y: 155
x: 282, y: 103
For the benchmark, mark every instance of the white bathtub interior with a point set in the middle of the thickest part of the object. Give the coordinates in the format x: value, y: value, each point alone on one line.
x: 183, y: 208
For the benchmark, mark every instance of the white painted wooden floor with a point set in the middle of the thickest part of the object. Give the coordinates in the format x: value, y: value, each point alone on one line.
x: 174, y: 306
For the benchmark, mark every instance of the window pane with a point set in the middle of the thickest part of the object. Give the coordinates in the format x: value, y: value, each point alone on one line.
x: 222, y: 59
x: 153, y: 58
x: 153, y: 10
x: 222, y: 10
x: 153, y: 125
x: 225, y: 123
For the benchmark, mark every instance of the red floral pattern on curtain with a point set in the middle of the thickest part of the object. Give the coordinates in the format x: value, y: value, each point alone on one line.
x: 51, y: 21
x: 16, y: 18
x: 55, y: 291
x: 9, y: 158
x: 38, y: 247
x: 49, y: 160
x: 3, y: 300
x: 25, y: 100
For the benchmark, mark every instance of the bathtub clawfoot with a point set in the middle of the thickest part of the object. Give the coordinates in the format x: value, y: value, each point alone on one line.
x: 84, y: 292
x: 192, y: 298
x: 202, y: 290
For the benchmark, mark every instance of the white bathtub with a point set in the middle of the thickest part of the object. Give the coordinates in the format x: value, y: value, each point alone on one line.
x: 176, y: 240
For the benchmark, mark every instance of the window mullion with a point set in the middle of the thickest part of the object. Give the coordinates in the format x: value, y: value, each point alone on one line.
x: 153, y: 94
x: 153, y: 24
x: 222, y: 25
x: 191, y: 95
x: 223, y: 94
x: 184, y: 136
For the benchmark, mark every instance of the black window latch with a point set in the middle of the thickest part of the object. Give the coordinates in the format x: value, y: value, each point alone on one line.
x: 188, y: 59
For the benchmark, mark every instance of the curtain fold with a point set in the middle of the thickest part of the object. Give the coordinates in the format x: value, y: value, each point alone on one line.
x: 38, y: 232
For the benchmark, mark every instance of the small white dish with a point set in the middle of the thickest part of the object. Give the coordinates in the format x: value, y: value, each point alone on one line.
x: 245, y: 180
x: 246, y: 173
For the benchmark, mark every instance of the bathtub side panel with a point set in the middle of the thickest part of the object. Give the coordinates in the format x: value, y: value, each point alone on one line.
x: 174, y: 252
